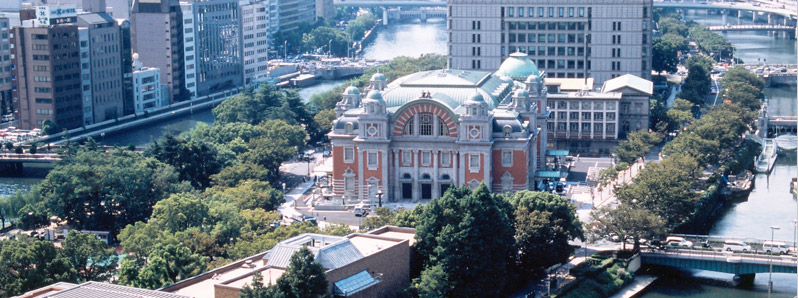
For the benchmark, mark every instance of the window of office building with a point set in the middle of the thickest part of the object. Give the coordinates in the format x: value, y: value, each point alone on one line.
x: 349, y: 154
x: 473, y: 162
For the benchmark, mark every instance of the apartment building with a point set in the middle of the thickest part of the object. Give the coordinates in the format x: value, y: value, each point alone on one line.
x: 157, y: 35
x: 101, y: 60
x: 146, y: 87
x: 293, y: 12
x: 6, y: 102
x: 47, y: 75
x: 566, y: 38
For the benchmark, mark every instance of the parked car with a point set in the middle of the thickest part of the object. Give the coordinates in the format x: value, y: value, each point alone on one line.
x: 678, y: 241
x: 326, y: 153
x: 775, y: 247
x: 735, y: 245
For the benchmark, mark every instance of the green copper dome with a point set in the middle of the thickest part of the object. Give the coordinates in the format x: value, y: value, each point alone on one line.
x: 378, y: 77
x: 518, y: 67
x: 374, y: 95
x: 351, y: 90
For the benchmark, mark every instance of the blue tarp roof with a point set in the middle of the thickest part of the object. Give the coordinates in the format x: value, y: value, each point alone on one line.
x: 354, y: 283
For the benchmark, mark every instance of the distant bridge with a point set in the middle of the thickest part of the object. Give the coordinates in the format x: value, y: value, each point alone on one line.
x: 737, y: 264
x: 752, y: 28
x: 45, y: 155
x: 739, y: 6
x: 688, y: 4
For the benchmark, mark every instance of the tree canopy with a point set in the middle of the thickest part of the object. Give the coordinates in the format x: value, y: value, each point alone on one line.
x: 107, y: 191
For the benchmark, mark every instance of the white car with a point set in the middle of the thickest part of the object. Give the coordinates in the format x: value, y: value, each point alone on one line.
x: 678, y: 241
x: 735, y: 245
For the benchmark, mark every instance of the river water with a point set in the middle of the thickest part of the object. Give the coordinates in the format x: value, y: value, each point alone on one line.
x: 770, y: 203
x: 400, y: 39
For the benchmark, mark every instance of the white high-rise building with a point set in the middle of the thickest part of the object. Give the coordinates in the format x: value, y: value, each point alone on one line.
x: 255, y: 20
x: 597, y: 39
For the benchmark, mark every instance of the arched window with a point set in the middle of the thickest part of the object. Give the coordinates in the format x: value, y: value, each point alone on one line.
x: 349, y: 127
x: 443, y: 129
x: 425, y: 124
x: 408, y: 131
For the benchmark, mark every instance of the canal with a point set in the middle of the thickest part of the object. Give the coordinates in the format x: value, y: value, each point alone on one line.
x: 770, y: 203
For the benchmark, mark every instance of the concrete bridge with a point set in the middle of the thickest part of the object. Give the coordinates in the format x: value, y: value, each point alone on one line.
x: 768, y: 10
x: 743, y: 266
x: 769, y: 28
x: 421, y: 13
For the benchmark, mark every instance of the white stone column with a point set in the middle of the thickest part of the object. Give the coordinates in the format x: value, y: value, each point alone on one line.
x: 435, y: 174
x: 397, y: 186
x: 416, y: 187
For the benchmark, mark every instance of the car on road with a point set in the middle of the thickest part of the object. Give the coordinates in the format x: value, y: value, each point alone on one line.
x: 735, y: 245
x: 678, y: 242
x: 326, y: 153
x: 775, y: 247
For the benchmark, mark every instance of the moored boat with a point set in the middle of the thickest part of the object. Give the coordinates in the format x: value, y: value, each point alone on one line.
x: 765, y: 161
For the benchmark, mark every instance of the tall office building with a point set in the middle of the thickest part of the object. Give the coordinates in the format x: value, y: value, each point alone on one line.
x: 325, y: 9
x: 47, y: 73
x: 5, y: 65
x: 255, y: 38
x: 157, y: 36
x: 566, y: 38
x: 293, y: 12
x: 213, y: 53
x: 101, y: 67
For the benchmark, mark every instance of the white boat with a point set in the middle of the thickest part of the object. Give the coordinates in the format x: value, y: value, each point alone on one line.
x: 766, y: 160
x: 787, y: 142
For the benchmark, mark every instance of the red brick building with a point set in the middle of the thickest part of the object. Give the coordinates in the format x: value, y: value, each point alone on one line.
x: 428, y: 131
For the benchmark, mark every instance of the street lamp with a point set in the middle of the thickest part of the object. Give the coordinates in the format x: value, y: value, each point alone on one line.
x: 379, y: 196
x: 770, y: 261
x: 329, y: 48
x: 285, y: 50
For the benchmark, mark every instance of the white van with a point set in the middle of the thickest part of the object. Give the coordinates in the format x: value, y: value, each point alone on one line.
x: 775, y: 247
x: 362, y: 209
x: 735, y: 245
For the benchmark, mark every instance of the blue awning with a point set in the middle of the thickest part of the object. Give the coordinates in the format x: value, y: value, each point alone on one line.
x: 548, y: 174
x: 557, y: 152
x: 354, y: 284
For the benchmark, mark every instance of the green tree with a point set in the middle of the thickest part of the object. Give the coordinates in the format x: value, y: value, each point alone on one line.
x: 233, y: 175
x: 165, y: 265
x: 257, y: 289
x: 49, y: 127
x: 679, y: 42
x: 29, y: 264
x: 636, y: 145
x: 106, y: 191
x: 742, y: 93
x: 544, y: 223
x: 195, y: 161
x: 681, y: 114
x: 384, y: 217
x: 664, y: 188
x: 358, y: 27
x: 179, y: 212
x: 323, y: 37
x: 89, y: 256
x: 140, y: 239
x: 469, y: 235
x: 740, y: 74
x: 664, y: 56
x: 338, y: 229
x: 669, y: 25
x: 324, y: 120
x: 627, y: 222
x: 303, y: 278
x: 696, y: 86
x: 705, y: 62
x: 251, y: 194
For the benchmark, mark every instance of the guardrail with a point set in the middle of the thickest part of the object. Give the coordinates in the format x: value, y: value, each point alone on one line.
x: 687, y: 253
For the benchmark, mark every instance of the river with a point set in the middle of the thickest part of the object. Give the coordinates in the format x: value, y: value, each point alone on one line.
x: 770, y: 202
x: 398, y: 39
